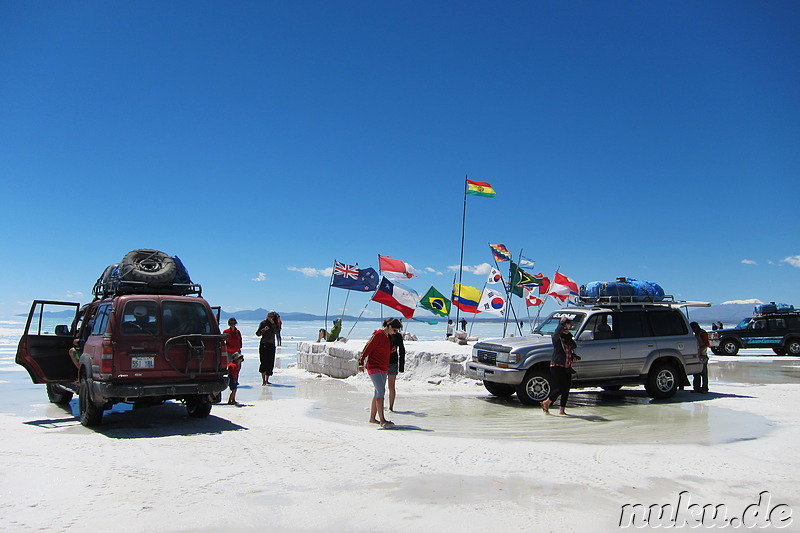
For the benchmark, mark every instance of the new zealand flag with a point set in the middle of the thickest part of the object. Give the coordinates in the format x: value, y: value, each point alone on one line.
x: 352, y: 278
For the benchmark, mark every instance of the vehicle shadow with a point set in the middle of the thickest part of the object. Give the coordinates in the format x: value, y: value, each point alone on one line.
x: 167, y: 420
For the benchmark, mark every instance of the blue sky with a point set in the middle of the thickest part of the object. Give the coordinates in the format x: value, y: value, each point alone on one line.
x: 259, y: 141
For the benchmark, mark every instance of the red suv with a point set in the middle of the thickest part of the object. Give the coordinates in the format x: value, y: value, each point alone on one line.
x: 146, y: 338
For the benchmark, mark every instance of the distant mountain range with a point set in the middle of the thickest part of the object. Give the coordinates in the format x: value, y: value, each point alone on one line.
x: 730, y: 313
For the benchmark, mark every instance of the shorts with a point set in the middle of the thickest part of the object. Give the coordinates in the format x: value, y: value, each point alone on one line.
x: 233, y: 383
x: 379, y: 381
x: 392, y: 369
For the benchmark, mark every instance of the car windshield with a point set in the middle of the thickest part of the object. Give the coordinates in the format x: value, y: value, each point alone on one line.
x: 743, y: 323
x: 551, y: 323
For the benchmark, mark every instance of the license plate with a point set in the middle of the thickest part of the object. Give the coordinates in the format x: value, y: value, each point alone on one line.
x: 481, y: 372
x: 142, y: 362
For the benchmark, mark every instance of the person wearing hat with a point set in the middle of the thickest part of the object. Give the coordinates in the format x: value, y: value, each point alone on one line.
x: 233, y: 375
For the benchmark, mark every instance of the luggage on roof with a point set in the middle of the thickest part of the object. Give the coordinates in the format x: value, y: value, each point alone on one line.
x: 623, y: 290
x: 145, y: 271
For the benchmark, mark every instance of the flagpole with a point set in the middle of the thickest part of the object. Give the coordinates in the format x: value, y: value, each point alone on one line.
x: 461, y: 261
x: 546, y: 296
x: 328, y: 301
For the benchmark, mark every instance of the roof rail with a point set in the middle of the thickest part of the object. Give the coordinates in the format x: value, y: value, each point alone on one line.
x: 638, y: 301
x: 111, y: 288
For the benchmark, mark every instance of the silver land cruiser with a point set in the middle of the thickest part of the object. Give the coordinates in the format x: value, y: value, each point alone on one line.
x: 619, y: 344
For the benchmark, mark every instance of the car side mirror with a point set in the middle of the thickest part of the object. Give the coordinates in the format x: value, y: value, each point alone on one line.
x: 62, y: 330
x: 586, y: 336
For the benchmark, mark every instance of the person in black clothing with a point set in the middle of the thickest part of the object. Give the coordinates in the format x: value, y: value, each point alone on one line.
x: 561, y: 366
x: 267, y: 330
x: 397, y: 360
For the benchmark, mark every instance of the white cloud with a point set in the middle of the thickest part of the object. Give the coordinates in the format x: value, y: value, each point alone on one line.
x: 793, y: 260
x: 76, y: 294
x: 430, y: 270
x: 313, y: 272
x: 754, y: 301
x: 482, y: 270
x: 748, y: 262
x: 261, y: 277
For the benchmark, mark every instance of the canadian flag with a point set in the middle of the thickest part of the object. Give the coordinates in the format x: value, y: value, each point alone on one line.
x: 395, y: 269
x: 563, y: 287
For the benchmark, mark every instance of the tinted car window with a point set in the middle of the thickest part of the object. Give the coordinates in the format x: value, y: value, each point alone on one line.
x: 793, y: 322
x: 601, y: 326
x: 631, y: 325
x: 101, y: 320
x: 185, y: 318
x: 139, y: 318
x: 665, y: 323
x: 777, y: 323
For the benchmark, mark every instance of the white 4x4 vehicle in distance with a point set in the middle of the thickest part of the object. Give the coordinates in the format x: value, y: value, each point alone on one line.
x: 619, y: 344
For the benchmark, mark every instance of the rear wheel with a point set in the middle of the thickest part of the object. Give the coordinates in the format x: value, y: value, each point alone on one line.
x: 198, y: 406
x: 729, y: 347
x: 662, y: 381
x: 90, y: 413
x: 793, y: 347
x: 58, y: 394
x: 536, y: 386
x: 498, y: 389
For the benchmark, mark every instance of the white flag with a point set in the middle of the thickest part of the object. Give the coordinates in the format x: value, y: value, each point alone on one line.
x: 493, y: 302
x: 494, y: 276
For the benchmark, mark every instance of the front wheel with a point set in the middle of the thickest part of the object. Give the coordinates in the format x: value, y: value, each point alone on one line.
x: 498, y: 389
x: 729, y: 347
x: 198, y: 407
x: 715, y: 351
x: 536, y: 387
x: 779, y: 351
x: 662, y: 381
x: 793, y: 347
x: 90, y: 413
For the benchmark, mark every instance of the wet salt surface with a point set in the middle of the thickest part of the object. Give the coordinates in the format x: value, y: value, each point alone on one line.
x: 598, y: 417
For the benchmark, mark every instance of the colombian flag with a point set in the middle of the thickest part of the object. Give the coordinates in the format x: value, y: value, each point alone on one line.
x: 479, y: 188
x: 466, y: 298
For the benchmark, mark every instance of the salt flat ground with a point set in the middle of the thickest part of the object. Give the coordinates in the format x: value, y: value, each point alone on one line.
x: 300, y: 456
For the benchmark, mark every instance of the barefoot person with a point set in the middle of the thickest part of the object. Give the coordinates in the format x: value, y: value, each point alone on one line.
x: 376, y: 357
x: 561, y: 366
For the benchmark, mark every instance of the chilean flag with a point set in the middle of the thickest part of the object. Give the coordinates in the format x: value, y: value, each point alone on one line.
x: 395, y: 269
x: 563, y: 287
x: 399, y: 298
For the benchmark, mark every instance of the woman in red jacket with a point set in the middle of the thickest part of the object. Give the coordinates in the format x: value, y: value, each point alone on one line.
x: 376, y: 355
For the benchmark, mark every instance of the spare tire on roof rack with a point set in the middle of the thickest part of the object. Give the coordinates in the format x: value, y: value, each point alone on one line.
x: 155, y: 268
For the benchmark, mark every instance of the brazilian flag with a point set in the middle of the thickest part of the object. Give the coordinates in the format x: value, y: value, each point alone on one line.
x: 435, y: 302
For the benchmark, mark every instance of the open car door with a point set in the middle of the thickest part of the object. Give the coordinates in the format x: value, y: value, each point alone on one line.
x: 44, y: 347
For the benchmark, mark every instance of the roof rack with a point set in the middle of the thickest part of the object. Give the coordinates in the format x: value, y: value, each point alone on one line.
x: 638, y: 301
x: 116, y: 287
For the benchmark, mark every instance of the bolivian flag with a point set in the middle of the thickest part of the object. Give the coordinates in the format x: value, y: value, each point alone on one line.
x: 479, y: 188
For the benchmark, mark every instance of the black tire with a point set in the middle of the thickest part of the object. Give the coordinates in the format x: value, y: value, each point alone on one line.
x: 611, y: 388
x: 499, y: 389
x: 715, y: 351
x: 793, y: 347
x: 91, y: 415
x: 198, y: 407
x: 728, y: 347
x: 663, y: 380
x: 779, y: 351
x: 150, y: 266
x: 535, y: 387
x: 58, y: 394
